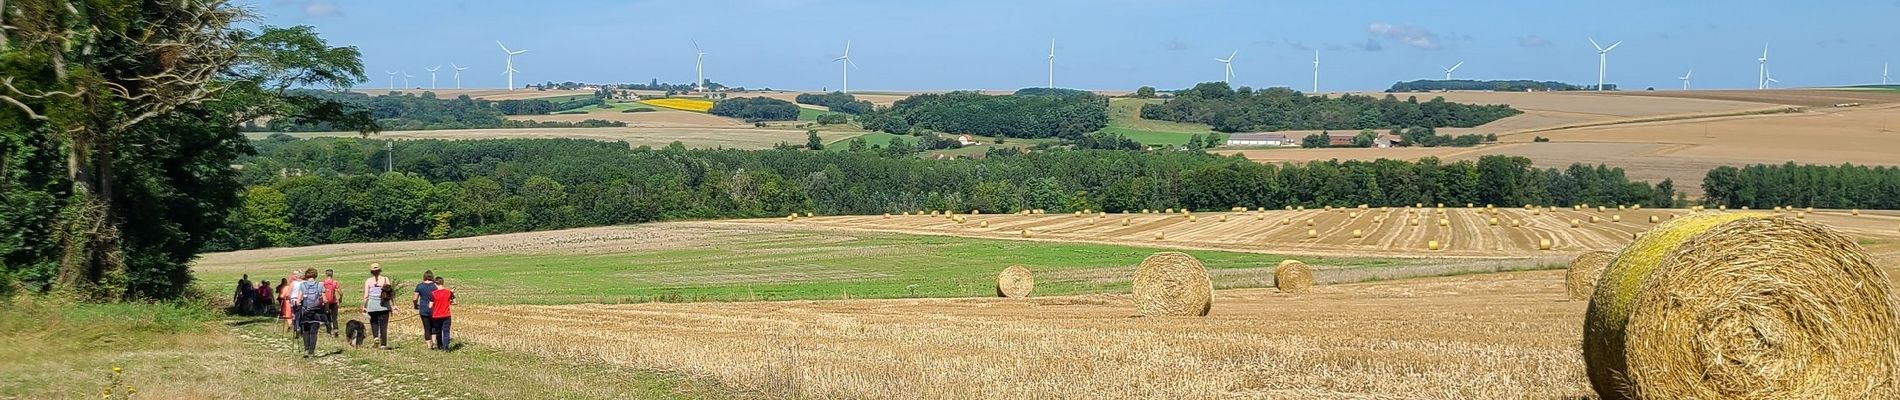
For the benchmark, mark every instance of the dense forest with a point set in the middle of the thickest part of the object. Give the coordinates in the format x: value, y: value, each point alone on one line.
x: 1030, y: 113
x: 1279, y: 109
x: 755, y: 109
x: 836, y: 102
x: 1429, y: 85
x: 331, y: 190
x: 1825, y: 186
x: 410, y: 112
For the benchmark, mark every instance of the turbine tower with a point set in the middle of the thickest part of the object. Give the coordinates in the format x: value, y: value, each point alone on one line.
x: 1315, y: 71
x: 510, y: 69
x: 392, y: 80
x: 405, y: 79
x: 699, y: 67
x: 1603, y: 60
x: 1052, y: 63
x: 432, y: 76
x: 1685, y: 78
x: 1883, y: 73
x: 848, y: 65
x: 1761, y: 70
x: 1454, y: 67
x: 1229, y: 62
x: 458, y: 74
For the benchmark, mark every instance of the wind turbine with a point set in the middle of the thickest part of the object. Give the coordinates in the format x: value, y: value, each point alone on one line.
x: 1052, y: 63
x: 1883, y: 73
x: 1603, y: 59
x: 1229, y: 62
x: 405, y: 79
x: 1315, y: 71
x: 458, y: 74
x: 1454, y: 67
x: 1685, y: 78
x: 699, y: 67
x: 510, y: 70
x: 848, y: 65
x: 1761, y: 81
x: 432, y: 75
x: 1768, y: 77
x: 392, y: 80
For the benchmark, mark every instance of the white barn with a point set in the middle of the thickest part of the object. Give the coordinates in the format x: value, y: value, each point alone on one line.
x: 1259, y: 139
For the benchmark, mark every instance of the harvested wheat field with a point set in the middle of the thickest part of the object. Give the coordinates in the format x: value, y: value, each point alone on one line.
x: 663, y: 118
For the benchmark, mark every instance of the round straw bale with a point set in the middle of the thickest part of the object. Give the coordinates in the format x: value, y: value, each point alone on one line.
x: 1724, y: 306
x: 1161, y: 236
x: 790, y: 218
x: 1125, y: 221
x: 1293, y: 276
x: 1594, y: 219
x: 1170, y: 210
x: 1810, y: 209
x: 1312, y: 233
x: 1723, y: 207
x: 1654, y: 219
x: 1856, y: 212
x: 1619, y: 207
x: 1193, y: 218
x: 1309, y: 222
x: 1025, y: 233
x: 1413, y: 221
x: 1172, y: 284
x: 1358, y: 234
x: 1493, y: 221
x: 1444, y: 222
x: 1581, y: 280
x: 1636, y: 206
x: 887, y: 215
x: 1543, y: 244
x: 1223, y: 218
x: 1800, y: 215
x: 1432, y: 245
x: 1015, y: 282
x: 1516, y: 223
x: 1616, y: 218
x: 807, y: 214
x: 1286, y: 222
x: 1574, y: 223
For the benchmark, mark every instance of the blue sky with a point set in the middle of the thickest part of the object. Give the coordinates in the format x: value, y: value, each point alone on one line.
x: 1110, y: 44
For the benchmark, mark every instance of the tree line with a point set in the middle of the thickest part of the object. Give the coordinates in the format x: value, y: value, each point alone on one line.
x: 331, y: 190
x: 1825, y: 186
x: 836, y: 102
x: 1431, y: 85
x: 1029, y: 113
x: 409, y: 112
x: 755, y: 109
x: 1279, y: 109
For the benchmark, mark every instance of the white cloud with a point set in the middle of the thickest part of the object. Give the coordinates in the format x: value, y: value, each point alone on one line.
x: 1532, y: 41
x: 1409, y: 35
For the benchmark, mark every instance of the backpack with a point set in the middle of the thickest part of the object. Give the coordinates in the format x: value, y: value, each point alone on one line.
x: 312, y: 295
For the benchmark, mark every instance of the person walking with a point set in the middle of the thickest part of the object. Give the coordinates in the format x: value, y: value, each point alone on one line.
x: 330, y: 289
x: 441, y: 298
x: 376, y: 294
x: 424, y: 296
x: 283, y: 302
x: 241, y: 301
x: 261, y: 298
x: 307, y: 298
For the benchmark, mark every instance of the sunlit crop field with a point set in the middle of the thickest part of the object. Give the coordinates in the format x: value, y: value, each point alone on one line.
x: 680, y: 104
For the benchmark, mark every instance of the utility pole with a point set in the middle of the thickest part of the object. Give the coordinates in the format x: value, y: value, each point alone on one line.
x: 389, y: 156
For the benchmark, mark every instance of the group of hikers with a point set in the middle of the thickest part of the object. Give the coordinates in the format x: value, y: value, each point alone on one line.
x: 307, y: 305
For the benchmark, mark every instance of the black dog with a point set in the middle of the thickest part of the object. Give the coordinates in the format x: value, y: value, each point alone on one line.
x: 354, y: 330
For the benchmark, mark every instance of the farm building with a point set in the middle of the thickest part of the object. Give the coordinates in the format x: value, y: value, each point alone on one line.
x: 1259, y: 139
x: 1339, y: 140
x: 967, y: 140
x: 1387, y: 140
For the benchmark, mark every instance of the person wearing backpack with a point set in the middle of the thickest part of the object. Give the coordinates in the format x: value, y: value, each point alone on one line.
x: 307, y: 302
x: 376, y: 294
x: 330, y: 288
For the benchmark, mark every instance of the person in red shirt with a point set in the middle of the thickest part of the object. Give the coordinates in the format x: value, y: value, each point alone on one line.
x: 439, y: 303
x: 329, y: 301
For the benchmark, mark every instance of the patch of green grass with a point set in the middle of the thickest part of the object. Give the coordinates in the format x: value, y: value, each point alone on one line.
x: 1124, y: 117
x: 807, y: 114
x: 793, y: 265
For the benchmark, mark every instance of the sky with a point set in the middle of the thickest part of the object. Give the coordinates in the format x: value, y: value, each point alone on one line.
x: 1108, y: 44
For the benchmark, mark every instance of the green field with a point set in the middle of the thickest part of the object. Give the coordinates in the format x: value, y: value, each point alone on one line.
x: 740, y: 265
x: 617, y: 106
x: 1124, y: 117
x: 807, y: 114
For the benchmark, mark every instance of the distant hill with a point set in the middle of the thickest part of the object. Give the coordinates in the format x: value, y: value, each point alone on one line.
x: 1429, y: 85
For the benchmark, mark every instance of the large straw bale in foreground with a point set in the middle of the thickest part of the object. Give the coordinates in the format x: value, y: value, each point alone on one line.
x: 1742, y: 305
x: 1584, y: 271
x: 1293, y: 276
x: 1172, y: 284
x: 1015, y: 282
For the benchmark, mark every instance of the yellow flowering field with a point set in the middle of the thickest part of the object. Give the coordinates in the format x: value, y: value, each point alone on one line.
x: 680, y: 104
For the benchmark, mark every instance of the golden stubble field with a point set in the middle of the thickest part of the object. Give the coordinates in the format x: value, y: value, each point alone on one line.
x: 485, y: 94
x: 693, y: 137
x: 1659, y: 135
x: 1489, y: 336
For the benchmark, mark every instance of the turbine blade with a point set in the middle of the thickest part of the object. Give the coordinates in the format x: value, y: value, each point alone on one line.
x: 695, y: 44
x: 1593, y: 43
x: 504, y: 48
x: 1613, y: 46
x: 1454, y: 67
x: 1230, y: 56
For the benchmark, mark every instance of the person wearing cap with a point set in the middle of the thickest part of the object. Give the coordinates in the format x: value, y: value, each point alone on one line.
x: 376, y: 294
